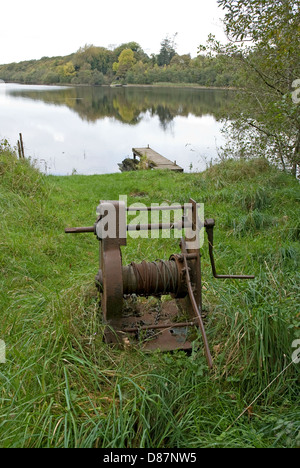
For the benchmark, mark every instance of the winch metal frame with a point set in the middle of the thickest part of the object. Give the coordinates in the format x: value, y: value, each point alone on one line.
x: 180, y: 277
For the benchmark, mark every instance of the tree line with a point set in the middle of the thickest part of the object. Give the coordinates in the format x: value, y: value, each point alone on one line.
x: 125, y: 64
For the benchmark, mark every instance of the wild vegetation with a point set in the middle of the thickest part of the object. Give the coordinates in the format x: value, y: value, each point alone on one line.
x: 127, y: 63
x: 263, y: 51
x: 62, y: 387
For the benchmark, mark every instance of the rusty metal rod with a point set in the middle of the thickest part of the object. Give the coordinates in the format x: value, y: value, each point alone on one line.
x: 146, y: 227
x: 134, y: 227
x: 163, y: 326
x: 156, y: 208
x: 158, y: 226
x: 77, y: 230
x: 195, y: 306
x: 190, y: 256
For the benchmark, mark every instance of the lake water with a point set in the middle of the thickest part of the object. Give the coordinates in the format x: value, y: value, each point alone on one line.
x: 89, y: 130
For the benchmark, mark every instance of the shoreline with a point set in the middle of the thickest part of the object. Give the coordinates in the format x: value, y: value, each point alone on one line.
x: 135, y: 85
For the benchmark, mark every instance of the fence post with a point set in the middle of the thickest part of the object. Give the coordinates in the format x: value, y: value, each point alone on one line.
x: 22, y: 146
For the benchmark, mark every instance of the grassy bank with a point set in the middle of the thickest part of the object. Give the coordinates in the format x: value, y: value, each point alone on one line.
x: 62, y: 387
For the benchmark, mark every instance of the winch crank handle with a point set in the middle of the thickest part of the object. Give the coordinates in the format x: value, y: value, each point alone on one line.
x: 209, y: 226
x: 195, y: 306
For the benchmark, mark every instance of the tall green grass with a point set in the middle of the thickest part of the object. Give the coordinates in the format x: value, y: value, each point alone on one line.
x: 62, y: 387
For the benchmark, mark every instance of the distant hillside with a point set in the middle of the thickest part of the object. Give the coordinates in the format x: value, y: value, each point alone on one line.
x: 127, y: 63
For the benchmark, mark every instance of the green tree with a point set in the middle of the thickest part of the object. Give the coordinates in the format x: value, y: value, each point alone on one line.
x: 134, y: 46
x: 181, y: 61
x: 98, y: 58
x: 66, y: 70
x: 125, y: 62
x: 167, y: 51
x: 263, y: 48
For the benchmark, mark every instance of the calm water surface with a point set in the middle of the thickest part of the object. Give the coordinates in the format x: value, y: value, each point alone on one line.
x: 91, y: 129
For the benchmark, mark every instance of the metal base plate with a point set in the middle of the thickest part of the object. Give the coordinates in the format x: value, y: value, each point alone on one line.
x: 169, y: 340
x: 157, y: 313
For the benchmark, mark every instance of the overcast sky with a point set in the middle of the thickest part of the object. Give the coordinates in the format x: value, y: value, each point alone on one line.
x: 32, y: 29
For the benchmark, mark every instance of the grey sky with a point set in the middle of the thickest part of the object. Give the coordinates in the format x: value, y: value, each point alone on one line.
x: 32, y: 29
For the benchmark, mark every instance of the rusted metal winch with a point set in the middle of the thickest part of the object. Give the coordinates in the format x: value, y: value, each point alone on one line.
x: 166, y: 326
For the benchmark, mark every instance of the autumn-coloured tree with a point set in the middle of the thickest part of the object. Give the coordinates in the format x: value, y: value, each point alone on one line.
x: 125, y: 62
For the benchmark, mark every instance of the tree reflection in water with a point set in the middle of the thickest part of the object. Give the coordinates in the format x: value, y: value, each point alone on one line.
x: 129, y: 104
